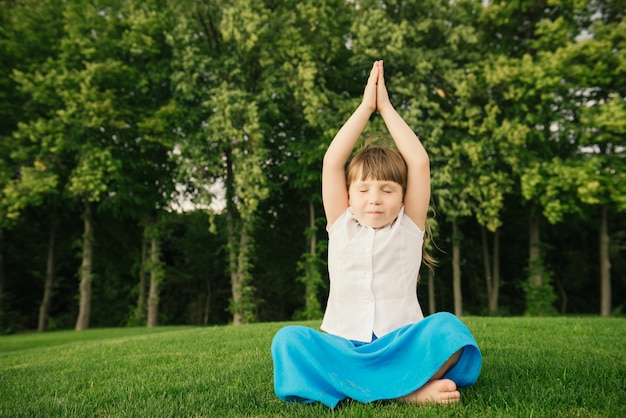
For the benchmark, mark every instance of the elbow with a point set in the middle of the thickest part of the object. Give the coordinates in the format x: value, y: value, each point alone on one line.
x: 421, y: 161
x: 330, y: 161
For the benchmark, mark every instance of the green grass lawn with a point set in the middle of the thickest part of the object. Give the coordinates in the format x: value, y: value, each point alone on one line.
x: 539, y: 367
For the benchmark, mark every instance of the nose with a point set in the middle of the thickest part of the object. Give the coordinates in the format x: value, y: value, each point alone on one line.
x: 374, y: 198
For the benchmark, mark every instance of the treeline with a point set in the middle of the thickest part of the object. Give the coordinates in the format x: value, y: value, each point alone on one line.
x: 160, y: 160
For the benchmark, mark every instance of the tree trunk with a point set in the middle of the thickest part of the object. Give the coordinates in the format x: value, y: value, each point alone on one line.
x: 605, y: 264
x: 239, y: 282
x: 155, y: 279
x: 431, y: 292
x: 313, y: 309
x: 456, y: 269
x: 495, y: 288
x: 231, y: 214
x: 140, y: 314
x: 535, y: 268
x: 540, y: 295
x: 245, y: 311
x: 44, y: 308
x: 563, y: 294
x: 486, y: 264
x: 84, y: 307
x: 234, y: 283
x: 232, y: 264
x: 234, y: 275
x: 492, y: 268
x: 311, y: 289
x: 239, y: 249
x: 2, y: 275
x: 207, y: 303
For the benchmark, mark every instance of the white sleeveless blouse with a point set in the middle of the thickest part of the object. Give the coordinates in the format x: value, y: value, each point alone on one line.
x: 373, y: 277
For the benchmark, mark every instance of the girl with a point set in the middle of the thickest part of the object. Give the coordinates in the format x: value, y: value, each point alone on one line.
x: 377, y: 344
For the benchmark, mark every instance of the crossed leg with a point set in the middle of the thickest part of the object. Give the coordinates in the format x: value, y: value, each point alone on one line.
x: 437, y: 390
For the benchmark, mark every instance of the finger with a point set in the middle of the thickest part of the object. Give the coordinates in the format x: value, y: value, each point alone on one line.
x: 374, y: 73
x: 381, y: 72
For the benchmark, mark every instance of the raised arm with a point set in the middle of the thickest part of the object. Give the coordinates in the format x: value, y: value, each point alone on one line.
x: 334, y: 189
x: 417, y: 197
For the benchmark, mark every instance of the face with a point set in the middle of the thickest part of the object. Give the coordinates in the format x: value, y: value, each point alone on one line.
x: 375, y: 203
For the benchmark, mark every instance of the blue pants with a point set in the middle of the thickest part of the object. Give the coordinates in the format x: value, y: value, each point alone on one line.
x: 313, y: 366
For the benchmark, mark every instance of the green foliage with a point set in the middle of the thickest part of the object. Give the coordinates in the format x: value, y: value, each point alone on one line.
x: 520, y: 104
x: 29, y: 189
x: 562, y: 185
x: 246, y: 303
x: 540, y: 298
x: 90, y: 176
x: 309, y: 267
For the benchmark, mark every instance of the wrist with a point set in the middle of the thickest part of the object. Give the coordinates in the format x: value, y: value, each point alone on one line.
x: 386, y: 109
x: 365, y: 108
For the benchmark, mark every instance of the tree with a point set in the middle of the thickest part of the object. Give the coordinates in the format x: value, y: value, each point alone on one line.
x: 220, y: 54
x: 89, y: 127
x: 28, y: 38
x: 525, y: 86
x: 596, y: 71
x: 312, y: 60
x: 146, y: 189
x: 520, y: 105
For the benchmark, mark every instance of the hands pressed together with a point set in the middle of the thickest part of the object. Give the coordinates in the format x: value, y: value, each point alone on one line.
x: 375, y: 96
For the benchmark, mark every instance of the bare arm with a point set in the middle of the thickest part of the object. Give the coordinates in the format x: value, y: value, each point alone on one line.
x: 417, y: 197
x: 334, y: 189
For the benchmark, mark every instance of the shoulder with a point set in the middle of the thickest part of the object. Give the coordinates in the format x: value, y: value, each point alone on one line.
x: 344, y: 219
x: 407, y: 224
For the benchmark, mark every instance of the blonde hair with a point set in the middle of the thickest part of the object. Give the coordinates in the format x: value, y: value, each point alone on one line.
x: 385, y: 162
x: 429, y: 261
x: 380, y: 163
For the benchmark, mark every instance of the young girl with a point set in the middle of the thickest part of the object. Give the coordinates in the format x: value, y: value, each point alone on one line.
x: 377, y: 344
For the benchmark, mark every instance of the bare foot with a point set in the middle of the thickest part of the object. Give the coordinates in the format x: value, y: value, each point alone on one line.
x: 436, y: 391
